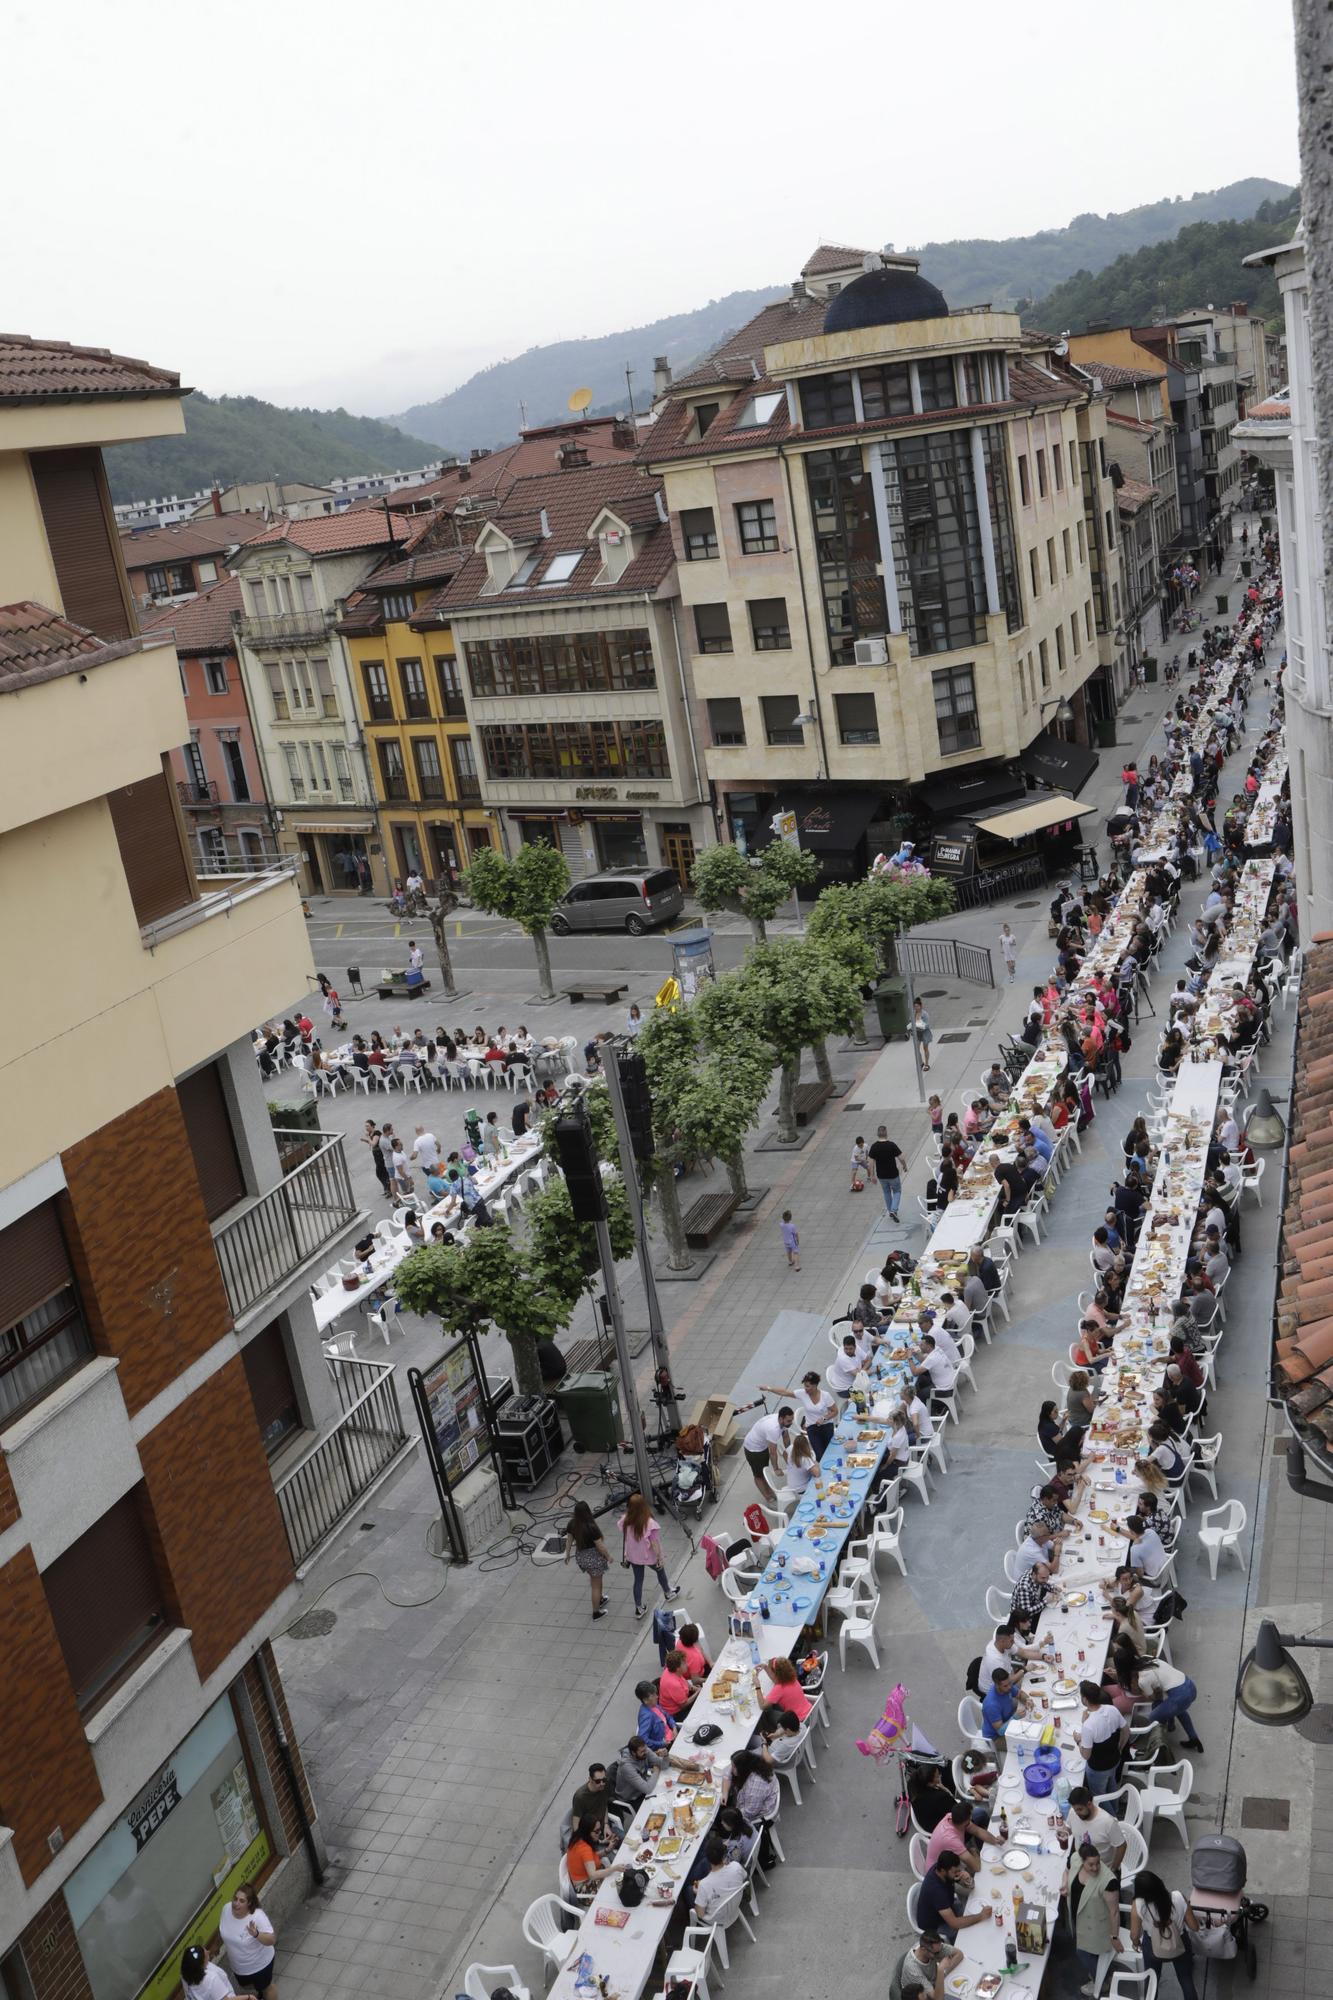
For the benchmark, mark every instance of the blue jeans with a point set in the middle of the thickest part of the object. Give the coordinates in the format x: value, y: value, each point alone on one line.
x: 1098, y: 1782
x: 662, y: 1578
x: 1178, y: 1701
x: 1183, y: 1967
x: 893, y: 1194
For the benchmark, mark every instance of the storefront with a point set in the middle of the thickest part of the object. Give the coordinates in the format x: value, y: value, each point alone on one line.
x: 831, y: 824
x: 331, y: 853
x: 1065, y: 767
x: 594, y: 838
x: 159, y: 1879
x: 1005, y: 847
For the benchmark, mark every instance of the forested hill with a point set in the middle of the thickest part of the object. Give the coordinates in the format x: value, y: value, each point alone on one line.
x: 233, y: 438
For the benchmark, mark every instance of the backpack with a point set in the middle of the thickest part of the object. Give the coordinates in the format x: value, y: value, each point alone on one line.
x: 972, y: 1682
x: 632, y: 1885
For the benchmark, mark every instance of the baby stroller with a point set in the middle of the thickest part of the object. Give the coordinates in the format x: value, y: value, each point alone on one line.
x: 1217, y: 1897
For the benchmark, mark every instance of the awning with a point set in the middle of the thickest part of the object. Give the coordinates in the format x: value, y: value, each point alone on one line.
x: 1032, y: 818
x: 967, y: 790
x: 1065, y: 767
x: 831, y: 823
x: 332, y: 826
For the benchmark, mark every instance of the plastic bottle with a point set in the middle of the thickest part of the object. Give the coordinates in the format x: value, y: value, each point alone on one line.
x: 763, y: 1607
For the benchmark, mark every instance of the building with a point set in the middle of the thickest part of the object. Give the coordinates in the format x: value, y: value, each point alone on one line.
x: 167, y: 565
x: 1203, y: 346
x: 274, y: 496
x: 218, y: 774
x: 159, y: 1350
x: 884, y: 515
x: 1284, y: 434
x: 1240, y: 338
x: 294, y: 579
x: 1141, y: 445
x: 1185, y: 392
x: 477, y: 483
x: 408, y: 684
x: 360, y: 486
x: 564, y: 616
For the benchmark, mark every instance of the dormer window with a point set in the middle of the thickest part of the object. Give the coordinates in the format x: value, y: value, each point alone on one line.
x: 704, y: 414
x: 760, y: 410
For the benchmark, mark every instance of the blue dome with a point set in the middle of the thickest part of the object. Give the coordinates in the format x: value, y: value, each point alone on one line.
x: 883, y: 298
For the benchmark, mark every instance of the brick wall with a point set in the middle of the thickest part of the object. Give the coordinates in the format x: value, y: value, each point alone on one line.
x: 219, y: 1534
x: 142, y: 1249
x: 47, y: 1775
x: 51, y: 1954
x: 268, y: 1737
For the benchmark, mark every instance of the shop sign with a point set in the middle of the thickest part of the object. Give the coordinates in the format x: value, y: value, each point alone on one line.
x: 642, y: 797
x: 150, y: 1809
x: 596, y: 792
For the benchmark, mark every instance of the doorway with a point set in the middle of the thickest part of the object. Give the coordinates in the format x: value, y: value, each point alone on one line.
x: 310, y: 857
x: 444, y: 854
x: 478, y: 839
x: 678, y: 852
x: 407, y: 849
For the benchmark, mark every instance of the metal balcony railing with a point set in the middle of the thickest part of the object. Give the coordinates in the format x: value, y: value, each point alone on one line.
x: 230, y: 857
x: 196, y: 795
x: 317, y: 1495
x: 260, y: 1248
x: 287, y: 627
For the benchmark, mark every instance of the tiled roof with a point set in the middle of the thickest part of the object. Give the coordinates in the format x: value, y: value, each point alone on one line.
x: 40, y: 371
x: 203, y: 625
x: 572, y: 501
x: 1132, y: 494
x: 741, y: 354
x: 1273, y: 410
x: 38, y: 644
x: 536, y: 452
x: 1304, y: 1307
x: 1129, y: 423
x: 1113, y: 376
x: 1034, y: 383
x: 331, y: 534
x: 210, y: 535
x: 831, y: 257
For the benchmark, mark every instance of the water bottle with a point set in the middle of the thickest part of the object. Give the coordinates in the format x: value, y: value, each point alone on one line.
x: 763, y: 1607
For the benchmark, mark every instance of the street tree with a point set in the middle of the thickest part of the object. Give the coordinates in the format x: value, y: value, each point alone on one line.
x: 526, y: 890
x: 438, y: 915
x: 561, y: 1254
x: 879, y: 909
x: 705, y: 1099
x: 484, y: 1282
x: 794, y: 994
x: 754, y: 886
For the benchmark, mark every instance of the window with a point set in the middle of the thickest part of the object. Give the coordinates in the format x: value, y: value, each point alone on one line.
x: 426, y: 757
x: 157, y: 871
x: 1073, y: 464
x: 398, y: 605
x: 343, y: 769
x: 277, y: 688
x: 208, y: 571
x: 698, y: 533
x: 272, y: 1391
x: 392, y: 771
x: 760, y: 410
x: 847, y: 548
x: 1115, y: 602
x: 1034, y: 572
x: 956, y: 718
x: 448, y: 675
x: 76, y: 514
x: 377, y: 691
x: 42, y: 1334
x: 780, y: 712
x: 1060, y: 649
x: 106, y: 1601
x: 704, y: 414
x: 235, y: 763
x: 294, y: 778
x: 1074, y: 635
x: 768, y: 624
x: 461, y: 755
x: 304, y: 585
x: 1024, y: 670
x: 858, y: 721
x: 203, y: 1107
x: 1044, y: 654
x: 156, y: 579
x: 215, y: 676
x: 757, y: 526
x: 828, y: 399
x: 412, y: 674
x: 726, y: 723
x: 258, y: 599
x: 1110, y: 529
x: 1057, y: 467
x: 1064, y: 537
x: 194, y: 764
x: 712, y: 628
x: 936, y: 382
x: 1041, y: 473
x: 1082, y: 543
x: 1050, y: 558
x: 1087, y: 618
x: 563, y: 566
x: 886, y: 391
x: 561, y: 663
x: 1024, y: 489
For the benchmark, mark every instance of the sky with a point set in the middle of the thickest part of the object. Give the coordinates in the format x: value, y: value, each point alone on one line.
x: 342, y: 204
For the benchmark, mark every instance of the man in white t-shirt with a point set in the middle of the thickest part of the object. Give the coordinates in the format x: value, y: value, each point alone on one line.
x: 723, y: 1879
x: 1097, y: 1825
x: 845, y: 1367
x: 935, y: 1366
x: 765, y: 1445
x: 426, y: 1150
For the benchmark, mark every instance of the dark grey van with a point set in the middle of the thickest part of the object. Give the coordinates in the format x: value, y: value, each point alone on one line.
x: 624, y: 899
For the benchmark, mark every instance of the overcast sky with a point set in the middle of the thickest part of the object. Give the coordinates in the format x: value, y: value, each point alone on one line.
x: 341, y: 203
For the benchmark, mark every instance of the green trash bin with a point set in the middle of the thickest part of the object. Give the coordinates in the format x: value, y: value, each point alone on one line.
x: 1105, y: 728
x: 1149, y: 669
x: 1246, y: 566
x: 591, y: 1404
x: 891, y: 1007
x: 1221, y: 604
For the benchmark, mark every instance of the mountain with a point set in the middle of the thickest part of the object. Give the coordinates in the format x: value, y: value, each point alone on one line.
x: 1203, y: 264
x: 1026, y: 267
x: 231, y: 438
x: 486, y: 408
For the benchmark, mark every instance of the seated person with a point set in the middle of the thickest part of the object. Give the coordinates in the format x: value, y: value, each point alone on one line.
x: 675, y: 1689
x: 787, y: 1690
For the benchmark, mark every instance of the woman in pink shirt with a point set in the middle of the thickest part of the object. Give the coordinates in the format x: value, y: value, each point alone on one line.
x: 697, y: 1663
x: 641, y: 1547
x: 675, y: 1691
x: 787, y: 1690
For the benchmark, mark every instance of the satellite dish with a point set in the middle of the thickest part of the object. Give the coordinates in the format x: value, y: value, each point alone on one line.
x: 580, y: 400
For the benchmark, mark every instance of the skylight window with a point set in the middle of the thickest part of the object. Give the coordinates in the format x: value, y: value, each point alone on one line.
x: 524, y: 573
x: 760, y: 410
x: 563, y: 567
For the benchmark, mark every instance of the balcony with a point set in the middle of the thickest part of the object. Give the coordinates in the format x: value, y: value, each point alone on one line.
x: 469, y: 788
x: 222, y: 857
x: 288, y: 628
x: 196, y: 795
x: 339, y: 1472
x: 263, y: 1247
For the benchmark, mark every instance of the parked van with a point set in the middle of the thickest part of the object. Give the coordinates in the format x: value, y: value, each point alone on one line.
x: 624, y: 899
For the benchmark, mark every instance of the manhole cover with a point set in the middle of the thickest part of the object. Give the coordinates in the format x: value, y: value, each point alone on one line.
x: 855, y: 1107
x: 1031, y: 904
x: 960, y: 1035
x: 1275, y: 1814
x: 314, y: 1625
x: 1318, y: 1724
x: 934, y: 993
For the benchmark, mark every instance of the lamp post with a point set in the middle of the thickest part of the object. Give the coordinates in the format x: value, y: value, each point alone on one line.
x: 1064, y: 713
x: 1271, y: 1689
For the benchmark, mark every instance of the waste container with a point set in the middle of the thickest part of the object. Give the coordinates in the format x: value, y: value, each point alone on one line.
x: 1246, y: 566
x: 591, y: 1405
x: 1221, y: 604
x: 1149, y: 669
x: 891, y: 1007
x: 1105, y: 728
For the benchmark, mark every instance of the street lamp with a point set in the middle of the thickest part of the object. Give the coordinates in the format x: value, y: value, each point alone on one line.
x: 1064, y: 713
x: 1271, y: 1689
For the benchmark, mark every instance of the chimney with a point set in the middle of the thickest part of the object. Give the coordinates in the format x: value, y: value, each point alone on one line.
x: 622, y: 434
x: 799, y: 295
x: 571, y: 454
x: 661, y: 375
x: 1240, y: 309
x: 546, y: 526
x: 216, y: 497
x: 464, y: 470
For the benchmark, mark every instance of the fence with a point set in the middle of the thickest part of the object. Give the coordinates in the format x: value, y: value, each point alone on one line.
x: 997, y: 884
x: 311, y: 1206
x: 947, y: 958
x: 317, y: 1494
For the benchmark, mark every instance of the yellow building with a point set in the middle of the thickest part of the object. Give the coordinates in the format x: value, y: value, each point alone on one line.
x: 406, y: 675
x: 1117, y: 345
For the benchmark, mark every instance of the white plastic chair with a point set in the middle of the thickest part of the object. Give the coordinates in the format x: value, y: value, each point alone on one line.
x: 855, y: 1574
x: 1207, y: 1451
x: 911, y: 1906
x: 967, y: 1347
x: 1128, y: 1985
x: 692, y: 1959
x: 1126, y: 1802
x: 1060, y: 1374
x: 479, y: 1981
x: 791, y: 1769
x: 816, y: 1686
x: 886, y: 1538
x: 1250, y: 1177
x: 1166, y: 1797
x: 859, y: 1627
x: 724, y: 1916
x: 916, y: 1471
x: 916, y: 1855
x: 1029, y: 1216
x: 1220, y: 1529
x: 1136, y: 1854
x: 1011, y: 1568
x: 970, y: 1726
x: 541, y: 1928
x: 998, y: 1604
x: 738, y: 1583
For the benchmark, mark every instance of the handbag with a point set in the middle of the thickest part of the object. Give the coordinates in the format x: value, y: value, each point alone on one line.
x: 632, y: 1885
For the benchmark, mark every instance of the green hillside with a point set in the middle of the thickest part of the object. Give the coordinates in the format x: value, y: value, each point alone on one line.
x: 231, y: 438
x: 1203, y: 265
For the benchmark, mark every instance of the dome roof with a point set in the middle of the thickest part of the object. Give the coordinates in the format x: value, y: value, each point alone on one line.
x: 883, y: 297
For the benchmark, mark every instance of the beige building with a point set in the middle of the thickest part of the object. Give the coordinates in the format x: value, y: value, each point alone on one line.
x: 896, y: 540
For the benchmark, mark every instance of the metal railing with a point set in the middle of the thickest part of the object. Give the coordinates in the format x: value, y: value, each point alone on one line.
x: 196, y: 795
x: 949, y: 958
x: 316, y: 1496
x: 261, y: 1248
x: 232, y: 858
x: 287, y: 625
x: 998, y: 883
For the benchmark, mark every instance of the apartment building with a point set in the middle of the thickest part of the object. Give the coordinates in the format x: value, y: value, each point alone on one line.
x: 564, y: 616
x: 476, y: 484
x: 157, y: 1240
x: 886, y: 565
x: 1204, y: 345
x: 408, y: 682
x: 217, y: 770
x: 1184, y: 386
x: 167, y: 565
x: 294, y: 580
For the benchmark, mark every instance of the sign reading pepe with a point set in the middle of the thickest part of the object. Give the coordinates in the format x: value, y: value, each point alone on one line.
x: 152, y: 1806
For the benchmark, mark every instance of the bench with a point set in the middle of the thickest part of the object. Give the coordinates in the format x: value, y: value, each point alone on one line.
x: 589, y: 1357
x: 809, y: 1097
x: 590, y: 991
x: 398, y: 989
x: 706, y: 1217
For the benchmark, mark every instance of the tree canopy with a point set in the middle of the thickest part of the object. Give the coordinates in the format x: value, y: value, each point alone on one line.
x: 755, y: 886
x: 526, y: 890
x: 877, y: 909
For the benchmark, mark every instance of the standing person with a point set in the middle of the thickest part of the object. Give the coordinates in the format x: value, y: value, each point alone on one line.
x: 402, y: 1170
x: 1160, y: 1922
x: 583, y: 1541
x: 641, y: 1542
x: 791, y: 1241
x: 1009, y: 952
x: 886, y: 1159
x: 332, y: 1004
x: 1094, y: 1910
x: 202, y: 1979
x: 363, y: 874
x: 634, y: 1021
x: 249, y: 1939
x: 920, y: 1028
x: 426, y: 1150
x: 860, y: 1165
x: 415, y: 956
x: 372, y: 1137
x: 765, y: 1447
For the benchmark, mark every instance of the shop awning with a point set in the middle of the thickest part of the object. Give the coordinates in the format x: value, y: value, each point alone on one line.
x: 329, y: 826
x: 1022, y: 820
x: 966, y: 791
x: 832, y: 822
x: 1065, y: 767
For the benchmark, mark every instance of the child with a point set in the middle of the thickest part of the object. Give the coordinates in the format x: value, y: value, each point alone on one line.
x: 936, y: 1110
x: 860, y: 1165
x: 791, y: 1240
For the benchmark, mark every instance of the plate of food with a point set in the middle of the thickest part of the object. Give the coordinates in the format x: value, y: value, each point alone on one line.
x: 1016, y: 1858
x: 612, y: 1920
x: 671, y: 1845
x: 1064, y: 1686
x: 958, y: 1986
x: 1074, y: 1598
x: 654, y: 1822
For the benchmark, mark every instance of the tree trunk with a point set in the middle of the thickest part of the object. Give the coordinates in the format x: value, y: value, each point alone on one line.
x: 527, y: 1370
x: 791, y: 1076
x: 735, y: 1166
x: 437, y: 923
x: 678, y: 1251
x: 757, y: 926
x: 819, y: 1050
x: 541, y: 946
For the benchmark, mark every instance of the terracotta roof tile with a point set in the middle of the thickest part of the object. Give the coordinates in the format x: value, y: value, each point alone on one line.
x: 831, y: 257
x: 40, y: 371
x: 1125, y: 423
x: 330, y: 534
x: 1113, y: 376
x: 204, y: 624
x: 33, y: 635
x: 211, y: 534
x: 1132, y: 494
x: 538, y: 451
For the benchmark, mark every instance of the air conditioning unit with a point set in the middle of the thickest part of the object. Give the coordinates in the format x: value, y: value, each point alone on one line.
x: 871, y: 652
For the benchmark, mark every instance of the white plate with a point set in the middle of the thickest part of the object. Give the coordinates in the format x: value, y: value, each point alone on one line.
x: 1016, y: 1858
